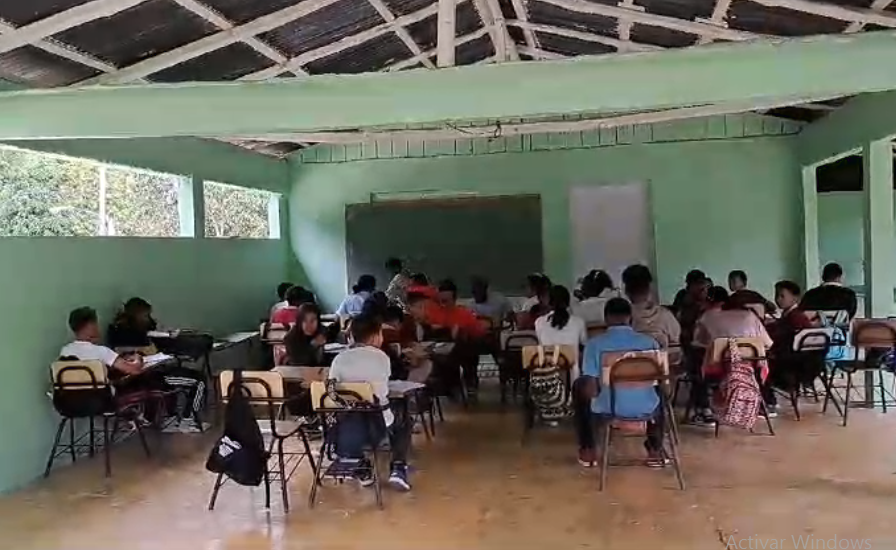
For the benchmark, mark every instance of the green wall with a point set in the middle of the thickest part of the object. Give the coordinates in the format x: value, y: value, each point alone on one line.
x: 211, y: 284
x: 727, y: 201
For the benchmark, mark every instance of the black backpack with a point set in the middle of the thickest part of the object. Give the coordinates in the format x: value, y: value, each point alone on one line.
x: 240, y: 453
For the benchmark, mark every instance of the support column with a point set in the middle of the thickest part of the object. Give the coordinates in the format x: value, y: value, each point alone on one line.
x: 191, y: 207
x: 811, y: 260
x: 879, y: 229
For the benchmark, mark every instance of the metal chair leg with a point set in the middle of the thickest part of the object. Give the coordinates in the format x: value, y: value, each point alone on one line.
x: 142, y: 437
x: 676, y: 458
x: 605, y: 455
x: 52, y: 458
x: 92, y: 449
x: 219, y: 481
x: 828, y: 383
x: 378, y: 490
x: 768, y: 421
x: 846, y: 401
x: 71, y: 439
x: 794, y: 401
x: 284, y: 494
x: 316, y: 481
x: 883, y: 392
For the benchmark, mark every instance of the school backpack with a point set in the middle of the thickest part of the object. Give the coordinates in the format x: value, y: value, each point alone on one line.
x: 240, y: 453
x: 546, y: 387
x: 740, y: 390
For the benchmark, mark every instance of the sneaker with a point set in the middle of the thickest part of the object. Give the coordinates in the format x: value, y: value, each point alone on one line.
x: 703, y: 419
x: 772, y: 411
x: 364, y: 473
x: 399, y: 477
x: 587, y: 458
x: 657, y: 459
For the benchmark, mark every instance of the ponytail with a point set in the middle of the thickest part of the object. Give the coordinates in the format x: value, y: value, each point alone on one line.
x: 559, y: 298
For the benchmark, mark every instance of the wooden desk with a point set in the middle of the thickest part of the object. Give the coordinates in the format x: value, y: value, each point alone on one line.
x: 303, y: 375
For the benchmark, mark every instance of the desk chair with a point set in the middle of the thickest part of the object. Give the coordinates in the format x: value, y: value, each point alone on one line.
x: 803, y: 365
x: 868, y: 335
x: 195, y: 347
x: 595, y: 329
x: 549, y: 368
x: 510, y: 367
x: 272, y: 336
x: 752, y: 350
x: 632, y: 370
x: 266, y: 393
x: 81, y: 389
x: 356, y: 400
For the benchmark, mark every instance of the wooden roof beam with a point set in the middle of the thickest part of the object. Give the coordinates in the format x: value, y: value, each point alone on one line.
x: 621, y: 45
x: 401, y: 32
x: 876, y: 5
x: 493, y: 20
x: 446, y: 44
x: 854, y: 15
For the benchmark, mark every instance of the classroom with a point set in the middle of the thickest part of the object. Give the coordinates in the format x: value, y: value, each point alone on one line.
x: 478, y: 196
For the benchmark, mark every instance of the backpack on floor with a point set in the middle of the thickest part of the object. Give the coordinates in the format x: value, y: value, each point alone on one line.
x: 742, y: 398
x: 240, y: 453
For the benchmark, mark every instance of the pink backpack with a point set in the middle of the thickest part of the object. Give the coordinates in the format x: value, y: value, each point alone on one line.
x: 740, y: 390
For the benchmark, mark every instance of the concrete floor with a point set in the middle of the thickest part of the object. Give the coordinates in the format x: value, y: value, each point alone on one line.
x: 475, y: 487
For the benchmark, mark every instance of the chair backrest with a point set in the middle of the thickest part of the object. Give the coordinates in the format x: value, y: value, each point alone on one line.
x: 813, y: 339
x: 349, y: 391
x: 261, y: 386
x: 874, y: 333
x: 79, y: 375
x: 750, y: 348
x: 595, y: 329
x: 486, y: 323
x: 301, y: 373
x: 537, y: 356
x: 518, y: 339
x: 274, y: 333
x: 639, y: 368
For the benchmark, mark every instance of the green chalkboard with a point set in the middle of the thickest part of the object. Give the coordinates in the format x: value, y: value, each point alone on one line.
x: 495, y: 237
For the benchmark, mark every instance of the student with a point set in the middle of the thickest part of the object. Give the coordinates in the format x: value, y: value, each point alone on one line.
x: 589, y: 398
x: 689, y: 304
x: 724, y: 319
x: 470, y: 338
x: 352, y: 305
x: 647, y: 317
x: 537, y: 305
x: 741, y: 295
x: 305, y: 341
x: 376, y: 305
x: 597, y: 289
x: 537, y: 285
x: 694, y: 282
x: 397, y: 291
x: 132, y: 325
x: 831, y: 295
x: 84, y: 323
x: 792, y: 321
x: 488, y: 303
x: 560, y: 327
x: 281, y: 293
x: 295, y: 297
x: 366, y: 362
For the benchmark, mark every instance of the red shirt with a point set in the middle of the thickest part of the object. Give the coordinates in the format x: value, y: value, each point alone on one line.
x: 458, y: 316
x: 430, y: 292
x: 285, y: 315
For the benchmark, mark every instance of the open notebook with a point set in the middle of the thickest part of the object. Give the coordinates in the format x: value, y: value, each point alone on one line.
x: 154, y: 359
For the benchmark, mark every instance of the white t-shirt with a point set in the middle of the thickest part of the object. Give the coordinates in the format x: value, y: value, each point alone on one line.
x: 88, y: 351
x: 365, y: 364
x: 572, y: 334
x: 591, y: 310
x: 528, y: 304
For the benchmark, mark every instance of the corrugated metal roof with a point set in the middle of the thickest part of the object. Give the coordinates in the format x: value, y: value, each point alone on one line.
x: 404, y: 7
x: 750, y: 16
x: 240, y: 11
x: 571, y: 46
x: 143, y: 31
x: 227, y: 63
x: 548, y: 14
x: 370, y: 56
x: 473, y: 51
x: 34, y: 67
x: 323, y: 26
x: 682, y: 9
x: 22, y: 12
x: 660, y: 36
x: 425, y: 32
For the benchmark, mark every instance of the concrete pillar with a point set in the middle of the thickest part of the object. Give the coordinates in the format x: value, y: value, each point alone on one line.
x: 811, y: 260
x: 879, y: 230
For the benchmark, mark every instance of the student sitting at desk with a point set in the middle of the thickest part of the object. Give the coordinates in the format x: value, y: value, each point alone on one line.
x: 741, y: 295
x: 831, y: 295
x: 469, y: 335
x: 366, y: 362
x: 597, y: 289
x: 84, y: 323
x: 132, y: 325
x: 647, y: 317
x: 538, y: 302
x: 131, y: 330
x: 589, y: 398
x: 560, y: 327
x: 488, y: 303
x: 295, y: 297
x: 305, y: 341
x: 352, y: 305
x: 281, y: 293
x: 792, y: 320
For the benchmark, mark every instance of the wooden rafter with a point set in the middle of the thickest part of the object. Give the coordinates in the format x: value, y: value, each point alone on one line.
x: 853, y: 15
x: 877, y: 5
x: 224, y: 24
x: 719, y: 18
x: 520, y: 8
x: 587, y: 37
x: 51, y: 46
x: 493, y: 20
x: 506, y: 130
x: 446, y: 44
x: 343, y: 44
x: 401, y: 32
x: 460, y: 41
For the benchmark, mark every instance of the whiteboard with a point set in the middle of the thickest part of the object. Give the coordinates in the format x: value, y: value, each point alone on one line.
x: 610, y: 228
